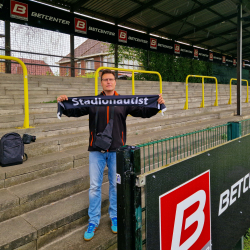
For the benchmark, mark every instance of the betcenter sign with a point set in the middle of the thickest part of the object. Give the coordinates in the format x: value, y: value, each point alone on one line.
x: 202, y: 202
x: 186, y: 225
x: 43, y: 16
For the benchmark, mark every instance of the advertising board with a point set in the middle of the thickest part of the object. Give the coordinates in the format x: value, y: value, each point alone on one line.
x: 201, y: 202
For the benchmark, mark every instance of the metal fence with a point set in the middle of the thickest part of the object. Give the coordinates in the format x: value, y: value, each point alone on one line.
x: 47, y: 52
x: 152, y: 155
x: 162, y: 152
x: 165, y: 151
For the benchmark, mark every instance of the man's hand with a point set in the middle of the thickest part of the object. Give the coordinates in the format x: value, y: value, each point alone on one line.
x: 160, y: 99
x: 62, y: 98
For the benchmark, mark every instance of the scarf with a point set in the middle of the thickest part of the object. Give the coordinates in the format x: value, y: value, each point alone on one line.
x: 149, y: 101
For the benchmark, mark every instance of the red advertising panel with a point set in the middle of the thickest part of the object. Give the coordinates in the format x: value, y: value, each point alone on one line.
x: 80, y: 26
x: 185, y: 215
x: 243, y: 64
x: 177, y: 48
x: 153, y: 43
x: 234, y: 62
x: 196, y: 53
x: 211, y: 56
x: 122, y: 36
x: 19, y: 10
x: 223, y: 59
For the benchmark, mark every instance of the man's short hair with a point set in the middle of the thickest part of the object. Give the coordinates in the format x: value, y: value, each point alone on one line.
x: 107, y: 71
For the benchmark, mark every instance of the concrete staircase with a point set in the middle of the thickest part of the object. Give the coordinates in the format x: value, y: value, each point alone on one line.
x: 44, y: 201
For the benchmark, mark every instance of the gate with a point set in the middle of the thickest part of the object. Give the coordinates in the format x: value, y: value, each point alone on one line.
x: 197, y: 202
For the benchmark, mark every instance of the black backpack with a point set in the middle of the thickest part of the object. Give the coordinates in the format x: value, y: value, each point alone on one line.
x: 11, y: 150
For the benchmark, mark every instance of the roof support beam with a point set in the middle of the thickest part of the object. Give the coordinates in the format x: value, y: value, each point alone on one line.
x: 208, y: 25
x: 229, y: 41
x: 138, y: 10
x: 221, y: 34
x: 176, y: 19
x: 239, y: 58
x: 78, y: 4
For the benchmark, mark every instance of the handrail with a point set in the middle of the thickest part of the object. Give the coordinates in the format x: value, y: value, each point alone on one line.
x: 230, y: 98
x: 133, y: 77
x: 202, y: 102
x: 25, y: 87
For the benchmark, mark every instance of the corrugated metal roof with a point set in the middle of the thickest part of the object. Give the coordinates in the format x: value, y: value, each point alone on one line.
x: 205, y: 23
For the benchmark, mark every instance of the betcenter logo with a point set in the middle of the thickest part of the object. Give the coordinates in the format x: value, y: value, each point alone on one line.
x: 177, y: 48
x: 211, y: 56
x: 153, y: 43
x: 185, y: 216
x: 196, y: 53
x: 122, y: 36
x: 19, y: 10
x: 80, y: 25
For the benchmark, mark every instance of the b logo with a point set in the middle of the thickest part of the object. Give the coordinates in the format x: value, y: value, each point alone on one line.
x: 19, y: 10
x: 185, y: 216
x: 153, y: 43
x: 196, y: 53
x: 223, y: 59
x: 211, y: 56
x: 234, y: 62
x: 80, y: 26
x: 122, y: 36
x: 177, y: 48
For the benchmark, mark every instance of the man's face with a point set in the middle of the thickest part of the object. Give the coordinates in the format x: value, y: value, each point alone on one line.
x: 108, y: 82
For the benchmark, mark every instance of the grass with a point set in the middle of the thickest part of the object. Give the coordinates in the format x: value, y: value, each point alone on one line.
x: 247, y: 240
x: 55, y: 101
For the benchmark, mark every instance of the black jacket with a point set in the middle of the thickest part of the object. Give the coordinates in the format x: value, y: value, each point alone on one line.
x: 119, y: 127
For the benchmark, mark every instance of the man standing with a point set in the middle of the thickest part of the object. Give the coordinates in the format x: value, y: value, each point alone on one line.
x: 99, y: 117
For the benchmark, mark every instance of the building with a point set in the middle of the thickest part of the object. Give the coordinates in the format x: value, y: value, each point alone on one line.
x: 89, y: 56
x: 34, y: 67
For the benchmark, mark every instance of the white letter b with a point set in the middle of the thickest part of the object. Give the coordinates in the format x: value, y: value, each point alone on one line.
x: 198, y: 216
x: 20, y: 9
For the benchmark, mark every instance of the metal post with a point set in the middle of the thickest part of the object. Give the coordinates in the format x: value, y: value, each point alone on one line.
x: 116, y: 60
x: 72, y: 51
x: 239, y: 58
x: 233, y: 130
x: 129, y: 212
x: 7, y: 47
x: 72, y: 55
x: 148, y: 60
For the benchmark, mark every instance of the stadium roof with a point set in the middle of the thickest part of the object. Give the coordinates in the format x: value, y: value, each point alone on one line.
x: 210, y: 24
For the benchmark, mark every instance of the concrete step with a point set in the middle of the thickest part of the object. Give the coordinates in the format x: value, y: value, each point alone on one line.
x: 59, y: 153
x: 25, y: 197
x: 41, y: 228
x: 104, y: 239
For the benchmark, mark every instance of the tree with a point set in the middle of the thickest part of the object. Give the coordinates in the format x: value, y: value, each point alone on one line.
x: 171, y: 67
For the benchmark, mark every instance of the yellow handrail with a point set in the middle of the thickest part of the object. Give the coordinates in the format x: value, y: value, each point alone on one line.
x: 25, y: 87
x: 203, y: 92
x: 133, y: 77
x: 230, y: 98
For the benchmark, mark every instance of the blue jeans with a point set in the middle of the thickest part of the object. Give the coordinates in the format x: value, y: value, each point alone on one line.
x: 97, y: 163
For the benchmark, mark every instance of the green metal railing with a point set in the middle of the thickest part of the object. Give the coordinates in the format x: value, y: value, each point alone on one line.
x: 155, y: 154
x: 245, y: 127
x: 162, y: 152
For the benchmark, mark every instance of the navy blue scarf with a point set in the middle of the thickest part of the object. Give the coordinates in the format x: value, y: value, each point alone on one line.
x: 149, y: 101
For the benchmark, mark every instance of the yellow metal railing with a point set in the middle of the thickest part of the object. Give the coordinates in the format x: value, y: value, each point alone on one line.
x: 235, y: 79
x: 203, y: 90
x: 133, y: 77
x: 25, y: 86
